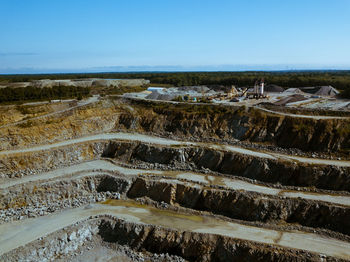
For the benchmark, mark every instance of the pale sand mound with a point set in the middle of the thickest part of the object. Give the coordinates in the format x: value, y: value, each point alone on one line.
x: 273, y: 89
x: 290, y: 99
x: 327, y: 91
x: 293, y: 91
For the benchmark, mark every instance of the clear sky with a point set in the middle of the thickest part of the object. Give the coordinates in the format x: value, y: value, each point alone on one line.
x: 119, y: 35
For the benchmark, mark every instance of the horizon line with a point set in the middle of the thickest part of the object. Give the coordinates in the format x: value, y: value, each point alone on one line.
x: 179, y: 71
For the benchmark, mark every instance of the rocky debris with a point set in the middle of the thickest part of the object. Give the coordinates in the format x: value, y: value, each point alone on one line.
x: 56, y: 245
x: 271, y: 88
x: 290, y: 99
x: 244, y: 205
x: 81, y: 242
x: 266, y: 170
x: 195, y: 246
x: 183, y: 120
x: 114, y: 239
x: 45, y: 208
x: 19, y: 165
x: 83, y: 82
x: 228, y: 122
x: 43, y: 198
x: 115, y: 252
x: 321, y: 90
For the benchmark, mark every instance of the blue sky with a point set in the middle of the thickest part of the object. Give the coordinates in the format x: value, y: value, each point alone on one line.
x: 122, y: 35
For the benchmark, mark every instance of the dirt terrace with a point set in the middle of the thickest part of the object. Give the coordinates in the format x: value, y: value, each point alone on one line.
x: 135, y: 180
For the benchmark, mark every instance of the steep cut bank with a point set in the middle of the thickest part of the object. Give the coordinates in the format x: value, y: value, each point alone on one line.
x: 88, y: 186
x: 196, y: 121
x: 233, y: 163
x: 193, y: 182
x: 95, y: 167
x: 245, y: 124
x: 192, y: 236
x: 247, y: 206
x: 267, y: 167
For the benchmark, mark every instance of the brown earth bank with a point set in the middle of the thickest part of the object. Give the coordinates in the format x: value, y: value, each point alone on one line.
x: 246, y: 124
x: 184, y: 121
x: 14, y: 113
x: 90, y: 119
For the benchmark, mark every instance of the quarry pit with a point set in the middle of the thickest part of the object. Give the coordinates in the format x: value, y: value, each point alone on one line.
x: 122, y: 179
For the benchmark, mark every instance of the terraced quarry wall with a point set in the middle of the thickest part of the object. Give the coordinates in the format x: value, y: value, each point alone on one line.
x: 247, y: 124
x: 97, y: 182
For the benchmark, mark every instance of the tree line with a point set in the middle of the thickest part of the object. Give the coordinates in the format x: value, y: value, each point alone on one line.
x: 339, y: 79
x: 46, y: 93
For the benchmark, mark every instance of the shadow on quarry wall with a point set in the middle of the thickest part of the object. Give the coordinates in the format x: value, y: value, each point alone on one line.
x: 245, y: 205
x: 195, y: 246
x: 267, y: 170
x: 229, y: 122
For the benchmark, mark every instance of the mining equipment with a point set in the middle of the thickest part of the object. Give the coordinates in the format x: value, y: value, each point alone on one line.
x: 259, y: 89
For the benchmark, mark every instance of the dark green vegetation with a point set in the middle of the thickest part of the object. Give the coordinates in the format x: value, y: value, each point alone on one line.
x: 338, y: 79
x: 33, y: 93
x: 21, y: 94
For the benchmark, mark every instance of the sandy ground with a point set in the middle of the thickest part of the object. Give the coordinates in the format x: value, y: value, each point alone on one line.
x: 301, y: 116
x: 81, y: 103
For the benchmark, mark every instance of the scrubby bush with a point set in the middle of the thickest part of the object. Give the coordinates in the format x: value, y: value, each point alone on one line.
x: 35, y: 93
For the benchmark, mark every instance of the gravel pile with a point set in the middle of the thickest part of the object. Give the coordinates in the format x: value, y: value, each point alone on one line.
x: 290, y: 99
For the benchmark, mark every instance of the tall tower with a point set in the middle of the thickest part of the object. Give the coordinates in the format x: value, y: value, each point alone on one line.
x: 261, y: 88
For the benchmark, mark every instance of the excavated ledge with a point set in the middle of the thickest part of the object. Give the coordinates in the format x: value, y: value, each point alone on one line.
x: 81, y: 242
x: 28, y: 199
x: 267, y: 170
x: 29, y: 163
x: 185, y: 121
x: 223, y: 179
x: 245, y: 205
x: 232, y: 122
x: 285, y: 172
x: 195, y: 246
x: 43, y: 197
x: 123, y: 239
x: 132, y: 225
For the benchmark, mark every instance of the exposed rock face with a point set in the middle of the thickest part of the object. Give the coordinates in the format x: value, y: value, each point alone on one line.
x: 56, y: 245
x: 267, y: 170
x: 208, y: 121
x: 211, y: 175
x: 241, y: 205
x: 245, y: 205
x: 19, y: 165
x: 88, y: 82
x: 196, y: 246
x: 83, y: 236
x: 86, y: 189
x: 186, y: 121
